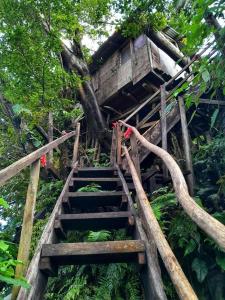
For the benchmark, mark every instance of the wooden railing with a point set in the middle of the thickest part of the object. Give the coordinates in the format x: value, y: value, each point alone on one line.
x: 206, y: 222
x: 32, y: 160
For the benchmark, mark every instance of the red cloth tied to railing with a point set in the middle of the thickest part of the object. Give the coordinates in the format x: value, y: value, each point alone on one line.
x: 114, y: 125
x: 43, y: 160
x: 128, y: 133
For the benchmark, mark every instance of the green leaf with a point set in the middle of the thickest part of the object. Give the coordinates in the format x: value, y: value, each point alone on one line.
x: 3, y: 203
x: 190, y: 247
x: 200, y: 268
x: 214, y: 117
x: 17, y: 282
x: 220, y: 260
x: 3, y: 246
x: 206, y: 75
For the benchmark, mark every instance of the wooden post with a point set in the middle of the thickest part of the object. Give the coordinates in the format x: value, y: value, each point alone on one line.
x: 186, y: 144
x: 119, y: 143
x: 181, y: 284
x: 163, y: 125
x: 76, y: 145
x: 27, y: 226
x: 50, y: 137
x: 135, y: 154
x: 34, y: 276
x: 113, y: 149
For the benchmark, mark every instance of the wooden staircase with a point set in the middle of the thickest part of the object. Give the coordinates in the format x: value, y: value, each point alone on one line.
x: 95, y: 211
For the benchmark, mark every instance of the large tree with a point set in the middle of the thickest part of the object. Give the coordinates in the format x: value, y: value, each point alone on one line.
x: 42, y: 57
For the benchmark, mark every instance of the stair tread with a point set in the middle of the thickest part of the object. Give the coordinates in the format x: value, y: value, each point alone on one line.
x: 93, y: 179
x: 96, y: 169
x: 95, y: 194
x: 96, y: 221
x: 99, y: 215
x: 93, y: 248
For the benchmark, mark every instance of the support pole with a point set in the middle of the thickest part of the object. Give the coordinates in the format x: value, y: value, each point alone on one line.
x: 50, y: 137
x: 163, y: 125
x: 76, y: 145
x: 186, y: 145
x: 27, y: 226
x: 135, y: 154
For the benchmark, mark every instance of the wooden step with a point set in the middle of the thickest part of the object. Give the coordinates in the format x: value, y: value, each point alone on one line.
x: 106, y: 184
x: 95, y: 221
x: 90, y: 200
x: 96, y: 172
x: 91, y: 253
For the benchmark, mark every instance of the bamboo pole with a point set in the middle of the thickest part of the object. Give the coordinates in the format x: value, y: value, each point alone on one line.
x: 76, y: 145
x: 205, y: 221
x: 27, y: 226
x: 181, y: 284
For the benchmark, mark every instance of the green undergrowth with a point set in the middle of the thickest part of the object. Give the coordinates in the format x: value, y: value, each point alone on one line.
x: 118, y: 281
x: 201, y: 259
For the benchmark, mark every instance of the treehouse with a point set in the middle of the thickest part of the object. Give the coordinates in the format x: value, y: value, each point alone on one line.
x: 125, y: 71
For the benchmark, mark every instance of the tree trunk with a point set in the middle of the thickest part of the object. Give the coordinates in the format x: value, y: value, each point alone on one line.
x: 73, y: 61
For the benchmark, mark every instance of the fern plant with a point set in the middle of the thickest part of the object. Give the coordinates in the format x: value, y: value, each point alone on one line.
x: 93, y: 187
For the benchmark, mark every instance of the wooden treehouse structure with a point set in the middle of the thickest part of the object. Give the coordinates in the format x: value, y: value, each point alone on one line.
x: 134, y: 82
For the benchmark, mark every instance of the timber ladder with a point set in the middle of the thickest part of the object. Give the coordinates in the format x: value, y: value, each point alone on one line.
x: 121, y: 203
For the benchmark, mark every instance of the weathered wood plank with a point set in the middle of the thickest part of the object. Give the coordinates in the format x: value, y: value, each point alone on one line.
x: 186, y: 145
x: 96, y: 252
x: 27, y: 226
x: 95, y: 221
x: 177, y: 276
x: 34, y: 276
x: 94, y: 199
x: 24, y: 162
x: 113, y: 148
x: 119, y: 142
x: 163, y: 125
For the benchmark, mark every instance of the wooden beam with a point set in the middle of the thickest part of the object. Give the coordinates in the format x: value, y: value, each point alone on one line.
x: 76, y: 145
x: 113, y: 149
x: 212, y: 102
x: 181, y: 284
x: 24, y: 162
x: 119, y: 143
x: 205, y: 221
x: 27, y: 226
x: 186, y: 146
x: 163, y: 125
x: 34, y: 276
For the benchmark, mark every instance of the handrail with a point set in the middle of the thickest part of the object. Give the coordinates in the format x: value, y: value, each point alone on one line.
x: 181, y: 284
x: 196, y: 57
x: 33, y: 160
x: 205, y: 221
x: 24, y: 162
